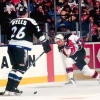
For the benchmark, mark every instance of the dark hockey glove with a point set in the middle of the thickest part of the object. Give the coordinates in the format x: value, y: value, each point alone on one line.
x: 60, y: 48
x: 80, y: 43
x: 46, y: 47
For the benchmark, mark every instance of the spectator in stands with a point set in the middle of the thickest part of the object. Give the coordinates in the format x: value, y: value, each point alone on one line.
x: 52, y: 13
x: 3, y: 13
x: 52, y: 25
x: 63, y: 29
x: 68, y: 9
x: 85, y: 13
x: 84, y: 28
x: 75, y: 12
x: 32, y: 5
x: 7, y: 13
x: 64, y: 3
x: 3, y: 18
x: 21, y: 3
x: 73, y: 17
x: 97, y: 4
x: 47, y: 3
x: 51, y: 35
x: 15, y: 2
x: 10, y: 10
x: 72, y: 3
x: 59, y: 7
x: 94, y: 26
x: 96, y: 37
x: 97, y: 16
x: 38, y: 14
x: 47, y: 17
x: 88, y: 4
x: 63, y: 19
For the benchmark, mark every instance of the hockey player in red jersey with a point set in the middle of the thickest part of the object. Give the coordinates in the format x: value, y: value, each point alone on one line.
x: 21, y: 41
x: 72, y: 47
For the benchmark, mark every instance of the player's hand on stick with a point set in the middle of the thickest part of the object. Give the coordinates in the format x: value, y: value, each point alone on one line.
x: 46, y: 46
x: 60, y: 48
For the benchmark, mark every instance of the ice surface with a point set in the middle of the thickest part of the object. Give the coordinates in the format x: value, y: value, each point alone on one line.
x: 84, y: 90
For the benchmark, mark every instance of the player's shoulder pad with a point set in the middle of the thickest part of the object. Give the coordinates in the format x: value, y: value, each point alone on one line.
x: 32, y: 21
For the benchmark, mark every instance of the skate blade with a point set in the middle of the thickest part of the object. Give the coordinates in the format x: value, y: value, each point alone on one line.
x: 16, y: 93
x: 10, y: 94
x: 3, y: 94
x: 71, y: 84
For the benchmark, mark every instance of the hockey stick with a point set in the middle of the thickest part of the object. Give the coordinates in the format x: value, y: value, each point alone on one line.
x: 36, y: 59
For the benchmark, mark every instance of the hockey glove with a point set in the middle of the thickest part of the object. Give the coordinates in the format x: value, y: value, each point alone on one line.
x: 80, y: 43
x: 46, y: 47
x: 60, y: 48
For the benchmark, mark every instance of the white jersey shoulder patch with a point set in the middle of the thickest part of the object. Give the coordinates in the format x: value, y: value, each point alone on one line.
x: 31, y: 20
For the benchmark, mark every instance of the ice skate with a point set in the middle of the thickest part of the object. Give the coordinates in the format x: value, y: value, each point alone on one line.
x: 71, y: 82
x: 99, y: 79
x: 5, y: 93
x: 11, y: 93
x: 15, y: 91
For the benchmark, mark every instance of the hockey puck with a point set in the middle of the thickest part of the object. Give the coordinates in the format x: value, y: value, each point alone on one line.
x: 35, y: 92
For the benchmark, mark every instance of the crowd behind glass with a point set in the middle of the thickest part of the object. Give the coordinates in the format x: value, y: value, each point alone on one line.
x: 67, y: 14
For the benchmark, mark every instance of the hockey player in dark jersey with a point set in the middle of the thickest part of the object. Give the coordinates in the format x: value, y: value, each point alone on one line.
x: 21, y: 40
x: 72, y: 47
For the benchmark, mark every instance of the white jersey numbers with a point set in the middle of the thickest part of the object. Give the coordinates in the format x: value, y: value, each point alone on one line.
x: 18, y: 33
x: 38, y: 29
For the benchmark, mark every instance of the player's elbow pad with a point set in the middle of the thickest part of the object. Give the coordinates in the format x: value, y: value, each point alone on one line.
x: 46, y: 46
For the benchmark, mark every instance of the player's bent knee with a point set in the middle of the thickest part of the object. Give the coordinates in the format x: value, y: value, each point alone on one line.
x: 22, y: 69
x: 87, y: 71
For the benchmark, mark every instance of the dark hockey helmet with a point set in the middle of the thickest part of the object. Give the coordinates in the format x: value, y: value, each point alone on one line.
x: 22, y: 10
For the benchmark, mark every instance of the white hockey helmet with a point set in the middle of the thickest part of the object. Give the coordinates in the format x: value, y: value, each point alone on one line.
x: 59, y: 37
